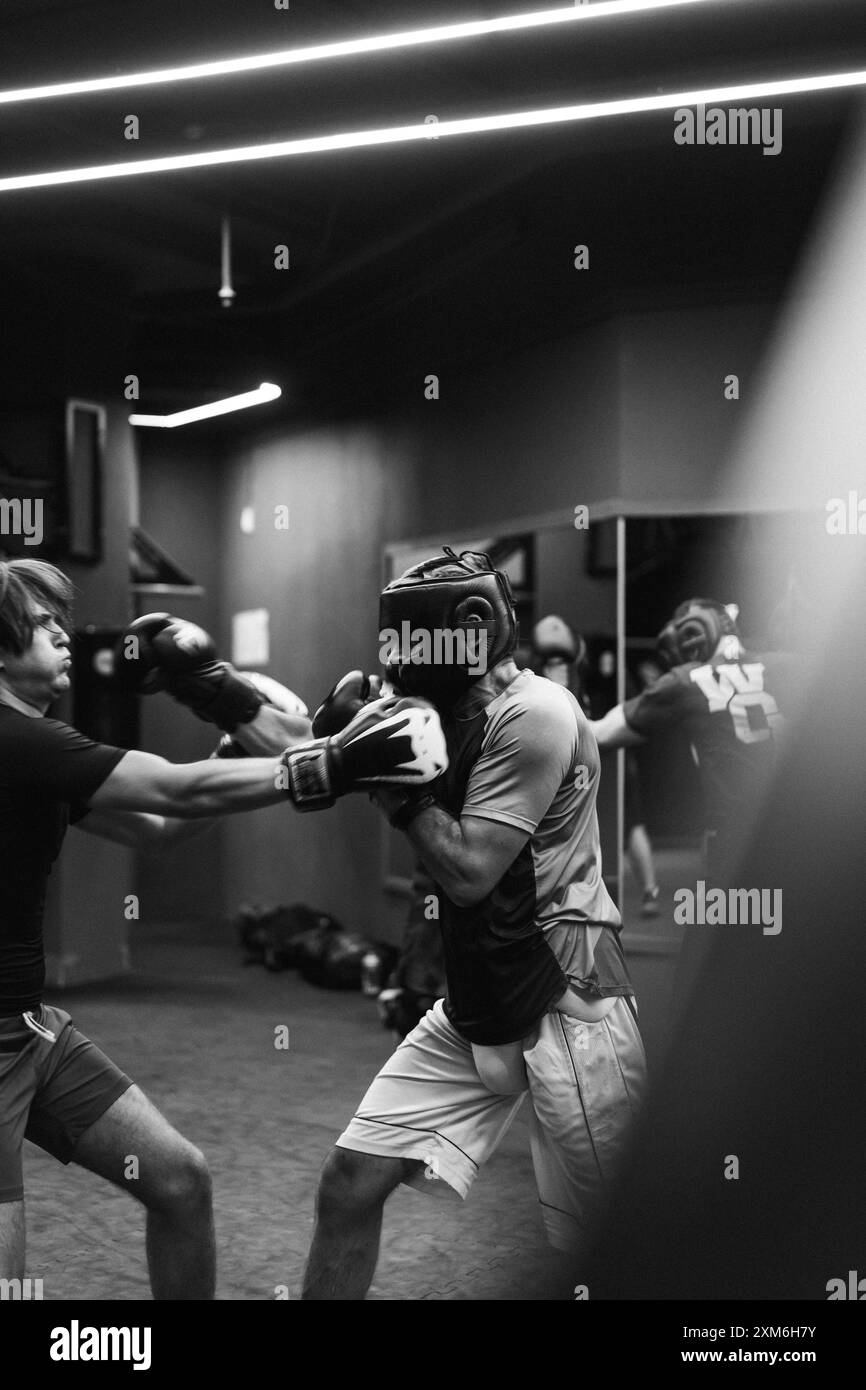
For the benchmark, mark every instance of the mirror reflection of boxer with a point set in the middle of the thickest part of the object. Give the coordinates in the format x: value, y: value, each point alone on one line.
x: 729, y: 703
x: 539, y: 998
x: 560, y: 655
x: 56, y: 1088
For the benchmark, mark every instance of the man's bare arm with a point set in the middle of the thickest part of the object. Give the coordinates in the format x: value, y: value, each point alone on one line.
x: 612, y: 731
x: 271, y: 731
x: 466, y: 857
x: 142, y: 829
x: 191, y: 791
x: 274, y: 731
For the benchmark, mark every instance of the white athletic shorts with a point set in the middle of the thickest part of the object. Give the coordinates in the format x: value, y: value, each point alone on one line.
x: 586, y: 1082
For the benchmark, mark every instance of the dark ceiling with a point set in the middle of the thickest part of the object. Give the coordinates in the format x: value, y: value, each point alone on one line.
x: 414, y: 258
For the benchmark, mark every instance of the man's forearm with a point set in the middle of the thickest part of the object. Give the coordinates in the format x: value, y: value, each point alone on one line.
x: 612, y: 731
x: 271, y: 731
x: 441, y: 846
x: 220, y: 787
x: 440, y: 843
x: 191, y: 791
x: 142, y: 830
x: 174, y: 831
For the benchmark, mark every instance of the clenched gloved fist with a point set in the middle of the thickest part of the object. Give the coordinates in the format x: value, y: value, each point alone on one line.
x: 159, y: 652
x: 348, y: 698
x: 396, y: 741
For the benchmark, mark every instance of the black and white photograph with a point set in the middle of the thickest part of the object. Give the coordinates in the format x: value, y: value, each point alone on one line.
x: 432, y: 670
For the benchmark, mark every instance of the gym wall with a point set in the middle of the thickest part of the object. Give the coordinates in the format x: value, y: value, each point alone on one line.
x: 180, y: 505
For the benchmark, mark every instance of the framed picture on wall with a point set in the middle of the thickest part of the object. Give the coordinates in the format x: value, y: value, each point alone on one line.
x: 85, y: 454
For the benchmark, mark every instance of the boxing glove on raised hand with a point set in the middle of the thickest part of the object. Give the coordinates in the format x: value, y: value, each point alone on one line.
x: 136, y: 665
x: 348, y: 698
x: 159, y: 652
x: 397, y: 741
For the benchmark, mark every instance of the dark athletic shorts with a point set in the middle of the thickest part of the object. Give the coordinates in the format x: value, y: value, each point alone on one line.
x: 54, y: 1084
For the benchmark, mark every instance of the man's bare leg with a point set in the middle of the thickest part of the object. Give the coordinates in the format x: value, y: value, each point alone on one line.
x: 641, y: 855
x: 172, y: 1182
x: 12, y: 1240
x: 352, y: 1193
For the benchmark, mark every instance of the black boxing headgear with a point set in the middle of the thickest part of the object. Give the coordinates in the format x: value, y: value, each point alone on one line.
x: 694, y: 632
x: 445, y: 623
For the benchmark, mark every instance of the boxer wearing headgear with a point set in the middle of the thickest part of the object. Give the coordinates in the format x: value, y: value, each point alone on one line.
x: 697, y: 630
x: 56, y: 1088
x: 445, y: 623
x: 539, y: 999
x: 561, y: 655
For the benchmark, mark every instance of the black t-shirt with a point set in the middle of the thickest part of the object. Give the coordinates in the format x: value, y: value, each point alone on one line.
x: 48, y: 772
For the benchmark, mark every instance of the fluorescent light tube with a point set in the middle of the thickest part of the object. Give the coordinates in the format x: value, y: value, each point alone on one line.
x: 393, y: 135
x: 410, y: 38
x: 266, y: 392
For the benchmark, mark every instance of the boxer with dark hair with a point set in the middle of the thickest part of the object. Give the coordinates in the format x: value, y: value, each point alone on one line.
x: 56, y: 1087
x: 539, y: 999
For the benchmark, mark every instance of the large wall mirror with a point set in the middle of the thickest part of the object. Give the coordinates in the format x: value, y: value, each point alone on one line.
x: 759, y: 563
x: 616, y: 582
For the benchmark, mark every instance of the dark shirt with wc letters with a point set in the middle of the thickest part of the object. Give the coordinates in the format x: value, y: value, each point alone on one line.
x: 731, y: 711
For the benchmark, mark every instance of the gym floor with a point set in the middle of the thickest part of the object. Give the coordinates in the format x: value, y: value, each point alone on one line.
x: 196, y: 1030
